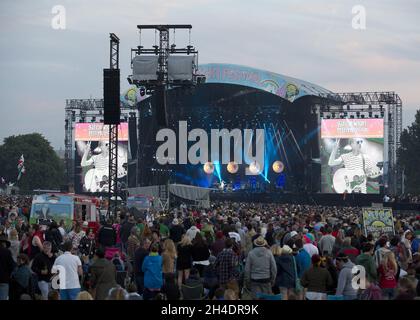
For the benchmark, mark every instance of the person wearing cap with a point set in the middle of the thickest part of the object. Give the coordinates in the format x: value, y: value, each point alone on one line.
x: 316, y: 280
x: 7, y: 266
x: 345, y: 278
x: 260, y: 268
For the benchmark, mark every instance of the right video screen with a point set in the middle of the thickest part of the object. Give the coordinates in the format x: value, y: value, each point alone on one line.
x: 352, y: 155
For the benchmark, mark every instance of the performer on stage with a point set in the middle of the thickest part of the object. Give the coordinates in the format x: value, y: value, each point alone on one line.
x: 357, y: 168
x: 96, y: 179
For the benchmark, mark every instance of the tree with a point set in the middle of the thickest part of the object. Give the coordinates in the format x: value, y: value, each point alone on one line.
x: 409, y: 155
x: 44, y: 169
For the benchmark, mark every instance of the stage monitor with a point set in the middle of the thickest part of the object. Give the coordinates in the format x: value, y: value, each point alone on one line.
x: 180, y: 68
x: 92, y: 156
x: 352, y: 155
x: 145, y: 68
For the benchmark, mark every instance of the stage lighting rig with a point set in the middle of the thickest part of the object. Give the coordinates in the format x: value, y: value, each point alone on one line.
x: 164, y: 66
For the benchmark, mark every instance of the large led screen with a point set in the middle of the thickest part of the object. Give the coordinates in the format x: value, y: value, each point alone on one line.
x: 92, y: 156
x: 352, y: 153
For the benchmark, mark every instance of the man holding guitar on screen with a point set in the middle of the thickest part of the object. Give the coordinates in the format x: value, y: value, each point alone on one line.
x: 357, y: 168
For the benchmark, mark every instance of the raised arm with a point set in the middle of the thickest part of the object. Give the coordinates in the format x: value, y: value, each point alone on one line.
x: 85, y: 162
x: 332, y: 160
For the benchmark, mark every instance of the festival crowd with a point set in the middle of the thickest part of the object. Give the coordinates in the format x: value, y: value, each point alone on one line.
x: 232, y: 251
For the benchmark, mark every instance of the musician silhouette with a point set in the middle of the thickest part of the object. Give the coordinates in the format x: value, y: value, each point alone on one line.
x: 96, y: 179
x: 357, y: 168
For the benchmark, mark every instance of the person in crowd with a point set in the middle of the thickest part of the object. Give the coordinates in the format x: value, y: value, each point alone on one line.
x: 316, y: 280
x: 101, y: 275
x: 191, y: 232
x: 41, y: 266
x: 133, y: 243
x: 107, y: 236
x: 387, y: 271
x: 302, y: 257
x: 75, y: 236
x: 309, y: 245
x: 20, y: 279
x: 62, y: 229
x: 117, y: 294
x: 260, y: 269
x: 348, y: 250
x: 345, y: 277
x: 226, y: 263
x: 366, y: 260
x: 169, y: 256
x: 14, y: 244
x: 326, y: 243
x: 163, y: 229
x: 7, y: 265
x: 141, y: 253
x: 176, y: 231
x: 286, y: 272
x: 72, y: 266
x: 84, y: 295
x: 152, y: 268
x: 125, y: 231
x: 54, y: 236
x: 381, y: 250
x: 184, y: 259
x: 87, y: 248
x: 219, y: 244
x: 170, y: 287
x: 200, y: 253
x: 36, y: 241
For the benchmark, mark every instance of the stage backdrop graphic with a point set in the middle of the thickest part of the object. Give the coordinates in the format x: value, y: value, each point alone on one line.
x: 92, y: 157
x: 352, y: 153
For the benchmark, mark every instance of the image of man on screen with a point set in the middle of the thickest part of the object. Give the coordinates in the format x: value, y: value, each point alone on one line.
x: 357, y: 168
x: 96, y: 178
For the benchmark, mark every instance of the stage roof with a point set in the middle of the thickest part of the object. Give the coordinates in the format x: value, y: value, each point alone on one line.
x: 286, y: 87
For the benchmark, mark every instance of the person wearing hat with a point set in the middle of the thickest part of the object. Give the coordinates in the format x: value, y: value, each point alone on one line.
x: 260, y: 268
x: 286, y: 272
x: 7, y: 265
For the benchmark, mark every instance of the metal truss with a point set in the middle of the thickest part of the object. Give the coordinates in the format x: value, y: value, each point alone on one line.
x: 387, y: 105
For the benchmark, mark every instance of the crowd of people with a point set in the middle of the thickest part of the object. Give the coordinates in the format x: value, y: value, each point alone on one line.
x: 232, y: 251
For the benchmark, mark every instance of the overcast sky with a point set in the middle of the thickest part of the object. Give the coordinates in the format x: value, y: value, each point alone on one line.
x: 308, y: 39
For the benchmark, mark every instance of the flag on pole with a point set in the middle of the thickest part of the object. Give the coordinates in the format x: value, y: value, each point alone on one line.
x: 21, y: 167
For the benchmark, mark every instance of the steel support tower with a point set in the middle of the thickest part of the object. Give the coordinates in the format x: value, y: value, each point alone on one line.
x: 114, y: 46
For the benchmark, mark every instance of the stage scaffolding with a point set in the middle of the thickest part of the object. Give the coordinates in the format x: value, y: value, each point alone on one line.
x: 359, y: 105
x: 90, y: 111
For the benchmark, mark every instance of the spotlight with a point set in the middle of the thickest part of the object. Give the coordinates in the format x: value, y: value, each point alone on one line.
x: 208, y: 168
x: 358, y: 114
x: 352, y: 116
x: 232, y: 167
x: 254, y: 167
x: 370, y: 114
x: 278, y: 166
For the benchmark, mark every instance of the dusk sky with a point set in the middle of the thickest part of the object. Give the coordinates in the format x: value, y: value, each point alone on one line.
x: 312, y: 40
